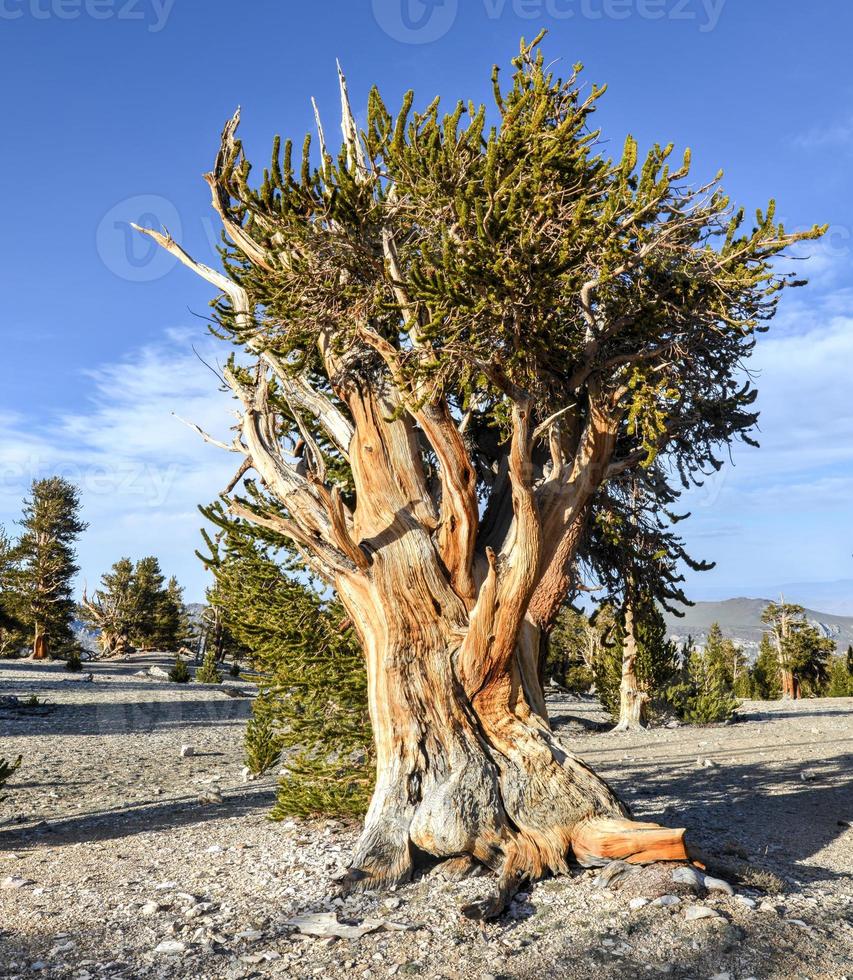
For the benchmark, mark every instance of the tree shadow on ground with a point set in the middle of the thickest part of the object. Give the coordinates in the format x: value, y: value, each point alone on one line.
x: 113, y: 823
x: 136, y: 717
x: 763, y: 812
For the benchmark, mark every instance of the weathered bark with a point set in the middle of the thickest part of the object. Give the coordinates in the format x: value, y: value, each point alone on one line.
x: 790, y: 684
x: 40, y: 647
x: 466, y: 763
x: 632, y: 698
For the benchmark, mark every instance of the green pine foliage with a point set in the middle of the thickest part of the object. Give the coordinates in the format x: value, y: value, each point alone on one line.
x: 13, y: 636
x: 766, y: 682
x: 840, y: 677
x: 208, y: 672
x: 263, y: 743
x: 703, y: 694
x: 313, y: 703
x: 51, y: 525
x: 657, y: 657
x: 73, y: 663
x: 163, y: 623
x: 180, y: 672
x: 571, y: 651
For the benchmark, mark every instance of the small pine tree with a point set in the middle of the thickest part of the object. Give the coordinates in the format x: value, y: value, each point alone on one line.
x: 73, y: 662
x: 13, y: 635
x: 703, y: 695
x: 207, y: 673
x: 311, y: 671
x: 765, y: 675
x: 840, y: 679
x: 180, y: 673
x: 51, y: 524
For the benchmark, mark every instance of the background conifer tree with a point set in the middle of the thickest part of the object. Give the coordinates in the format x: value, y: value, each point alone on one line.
x: 13, y: 635
x: 765, y: 675
x: 51, y: 525
x: 113, y: 609
x: 802, y: 651
x: 839, y: 678
x: 703, y: 693
x: 149, y: 584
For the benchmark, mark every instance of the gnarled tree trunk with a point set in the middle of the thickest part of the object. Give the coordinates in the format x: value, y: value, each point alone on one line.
x: 467, y: 766
x: 449, y: 603
x: 632, y: 698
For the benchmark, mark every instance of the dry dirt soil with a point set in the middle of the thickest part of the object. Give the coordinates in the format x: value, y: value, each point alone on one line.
x: 117, y: 858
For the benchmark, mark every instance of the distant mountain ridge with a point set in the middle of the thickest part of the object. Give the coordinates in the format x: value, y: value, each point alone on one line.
x: 740, y: 619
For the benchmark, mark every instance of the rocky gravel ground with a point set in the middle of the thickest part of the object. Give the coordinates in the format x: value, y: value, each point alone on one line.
x: 121, y: 858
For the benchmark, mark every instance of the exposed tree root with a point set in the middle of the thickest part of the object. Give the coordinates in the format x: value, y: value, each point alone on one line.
x: 601, y: 840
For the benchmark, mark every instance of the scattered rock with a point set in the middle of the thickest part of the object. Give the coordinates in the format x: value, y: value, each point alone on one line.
x: 750, y: 903
x: 14, y: 881
x: 689, y: 876
x: 187, y: 751
x: 158, y: 673
x: 637, y: 903
x: 324, y: 924
x: 666, y: 900
x: 171, y: 947
x: 264, y: 957
x: 695, y: 912
x: 211, y: 795
x: 718, y: 885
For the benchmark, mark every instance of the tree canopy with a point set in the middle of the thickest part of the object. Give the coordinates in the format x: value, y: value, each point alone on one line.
x: 480, y: 262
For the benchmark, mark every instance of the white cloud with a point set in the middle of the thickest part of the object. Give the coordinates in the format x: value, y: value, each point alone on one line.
x: 790, y: 499
x: 141, y: 472
x: 837, y: 134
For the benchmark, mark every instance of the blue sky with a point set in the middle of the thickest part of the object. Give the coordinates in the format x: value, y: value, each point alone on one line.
x: 112, y: 110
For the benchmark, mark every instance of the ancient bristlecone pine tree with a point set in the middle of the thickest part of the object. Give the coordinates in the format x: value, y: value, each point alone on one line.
x: 458, y: 334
